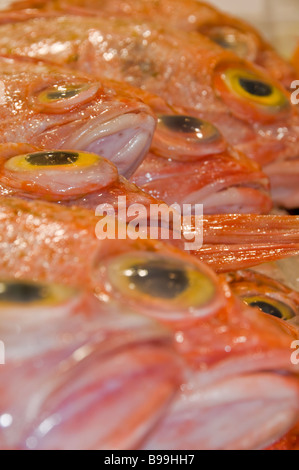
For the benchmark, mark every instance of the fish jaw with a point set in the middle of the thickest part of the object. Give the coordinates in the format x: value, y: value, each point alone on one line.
x: 104, y: 118
x: 79, y: 379
x: 284, y: 182
x: 244, y: 390
x: 244, y: 413
x: 224, y: 183
x: 125, y: 139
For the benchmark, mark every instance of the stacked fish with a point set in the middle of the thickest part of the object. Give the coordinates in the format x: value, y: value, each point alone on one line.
x: 127, y: 342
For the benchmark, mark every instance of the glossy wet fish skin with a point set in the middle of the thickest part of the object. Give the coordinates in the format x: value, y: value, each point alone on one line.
x: 65, y: 177
x: 266, y: 293
x: 219, y: 319
x: 225, y: 182
x: 50, y: 385
x: 146, y: 55
x: 230, y: 241
x: 189, y: 16
x: 109, y: 120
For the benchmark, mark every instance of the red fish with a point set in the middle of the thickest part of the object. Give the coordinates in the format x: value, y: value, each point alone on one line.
x: 223, y: 345
x: 74, y: 362
x: 53, y: 108
x: 253, y: 112
x: 187, y: 15
x: 208, y: 172
x: 267, y: 294
x: 86, y: 180
x: 223, y: 182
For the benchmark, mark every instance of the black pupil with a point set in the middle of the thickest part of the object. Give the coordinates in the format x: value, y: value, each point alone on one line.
x: 21, y: 292
x: 52, y: 158
x: 151, y: 278
x: 62, y: 94
x: 255, y: 87
x: 186, y: 124
x: 267, y: 308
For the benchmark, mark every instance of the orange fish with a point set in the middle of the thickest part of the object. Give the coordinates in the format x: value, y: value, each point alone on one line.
x: 209, y: 172
x: 269, y: 295
x: 80, y: 179
x: 223, y: 182
x: 219, y: 361
x: 188, y: 70
x: 74, y: 362
x: 54, y: 108
x: 225, y: 30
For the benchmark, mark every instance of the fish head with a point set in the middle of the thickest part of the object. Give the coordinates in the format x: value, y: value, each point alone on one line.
x: 242, y: 39
x: 191, y: 163
x: 60, y: 109
x: 269, y: 295
x: 239, y: 357
x: 69, y: 358
x: 224, y: 344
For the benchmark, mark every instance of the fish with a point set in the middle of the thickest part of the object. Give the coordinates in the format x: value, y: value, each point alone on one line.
x: 87, y: 181
x: 221, y: 179
x: 72, y: 361
x: 266, y: 293
x: 71, y: 178
x: 222, y: 28
x: 253, y: 112
x: 52, y: 108
x: 210, y: 341
x: 125, y: 147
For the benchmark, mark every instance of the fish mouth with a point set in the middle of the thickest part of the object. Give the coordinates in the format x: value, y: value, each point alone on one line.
x: 124, y: 139
x: 284, y: 176
x: 239, y: 199
x: 245, y: 410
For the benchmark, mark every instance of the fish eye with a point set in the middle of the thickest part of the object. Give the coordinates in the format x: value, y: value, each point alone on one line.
x: 30, y: 294
x: 193, y: 128
x: 271, y: 306
x: 166, y: 288
x: 64, y: 97
x: 28, y: 306
x: 59, y: 173
x: 250, y: 94
x: 188, y: 135
x: 233, y: 40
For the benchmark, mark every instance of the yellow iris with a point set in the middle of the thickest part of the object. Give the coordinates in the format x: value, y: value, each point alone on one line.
x: 51, y: 160
x: 23, y: 293
x: 271, y: 306
x: 160, y: 279
x: 252, y: 87
x: 61, y: 92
